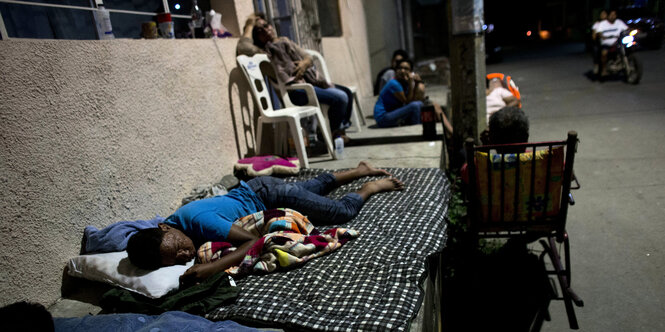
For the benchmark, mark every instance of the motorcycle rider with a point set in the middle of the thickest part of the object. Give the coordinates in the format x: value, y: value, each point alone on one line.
x: 609, y: 31
x: 595, y: 36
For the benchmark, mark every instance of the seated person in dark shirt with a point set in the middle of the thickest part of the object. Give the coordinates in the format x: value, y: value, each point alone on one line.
x: 26, y: 316
x: 176, y: 240
x: 508, y: 125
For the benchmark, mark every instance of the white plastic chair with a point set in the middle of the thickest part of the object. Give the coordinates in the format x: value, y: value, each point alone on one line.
x: 326, y: 74
x: 251, y: 67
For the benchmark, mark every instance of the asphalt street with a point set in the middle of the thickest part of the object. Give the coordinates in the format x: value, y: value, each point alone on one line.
x: 617, y: 226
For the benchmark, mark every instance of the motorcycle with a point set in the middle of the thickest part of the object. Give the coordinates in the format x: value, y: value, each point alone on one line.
x: 622, y: 61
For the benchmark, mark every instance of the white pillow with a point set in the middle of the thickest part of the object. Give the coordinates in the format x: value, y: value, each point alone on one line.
x: 114, y: 268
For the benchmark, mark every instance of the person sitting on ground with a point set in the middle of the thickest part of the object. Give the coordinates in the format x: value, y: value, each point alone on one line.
x: 388, y: 73
x: 293, y: 65
x: 609, y: 31
x: 397, y: 104
x: 400, y: 102
x: 498, y: 97
x: 175, y: 241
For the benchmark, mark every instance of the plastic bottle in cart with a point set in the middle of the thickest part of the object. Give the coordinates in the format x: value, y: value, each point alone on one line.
x: 339, y: 147
x: 104, y: 28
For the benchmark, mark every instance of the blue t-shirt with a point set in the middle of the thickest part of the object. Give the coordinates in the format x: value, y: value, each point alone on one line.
x: 387, y: 101
x: 210, y: 219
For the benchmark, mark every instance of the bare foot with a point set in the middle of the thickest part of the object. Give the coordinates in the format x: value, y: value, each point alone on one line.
x: 379, y: 186
x: 365, y: 169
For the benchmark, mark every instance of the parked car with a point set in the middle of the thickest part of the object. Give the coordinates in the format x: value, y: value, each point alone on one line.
x: 650, y: 29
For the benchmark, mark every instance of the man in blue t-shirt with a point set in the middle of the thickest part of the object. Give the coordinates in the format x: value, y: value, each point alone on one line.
x: 212, y: 219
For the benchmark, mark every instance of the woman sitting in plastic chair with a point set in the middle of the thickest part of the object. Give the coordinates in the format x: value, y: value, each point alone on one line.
x: 294, y: 65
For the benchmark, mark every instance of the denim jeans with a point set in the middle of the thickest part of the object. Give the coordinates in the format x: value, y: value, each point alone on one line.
x: 407, y: 114
x: 307, y: 197
x: 339, y: 99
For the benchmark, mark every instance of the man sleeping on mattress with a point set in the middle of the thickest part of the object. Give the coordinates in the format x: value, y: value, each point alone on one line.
x: 211, y: 219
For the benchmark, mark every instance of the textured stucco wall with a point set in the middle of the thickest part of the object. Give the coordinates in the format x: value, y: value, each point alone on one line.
x: 347, y: 57
x: 95, y: 132
x: 383, y: 26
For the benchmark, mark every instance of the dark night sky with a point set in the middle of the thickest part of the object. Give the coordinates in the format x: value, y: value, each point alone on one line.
x: 564, y: 19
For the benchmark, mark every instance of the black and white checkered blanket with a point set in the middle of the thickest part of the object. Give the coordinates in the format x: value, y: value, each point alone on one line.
x: 370, y: 284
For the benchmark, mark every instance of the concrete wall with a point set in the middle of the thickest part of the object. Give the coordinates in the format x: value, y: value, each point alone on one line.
x: 95, y: 132
x: 383, y: 27
x: 347, y: 57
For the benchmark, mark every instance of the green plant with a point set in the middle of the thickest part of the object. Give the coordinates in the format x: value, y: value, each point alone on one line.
x: 461, y: 243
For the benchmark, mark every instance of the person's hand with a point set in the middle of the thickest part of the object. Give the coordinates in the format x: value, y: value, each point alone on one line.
x: 416, y: 77
x: 412, y: 80
x: 251, y: 20
x: 196, y: 274
x: 301, y: 67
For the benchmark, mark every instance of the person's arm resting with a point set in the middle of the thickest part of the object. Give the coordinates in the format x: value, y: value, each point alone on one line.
x: 304, y: 64
x: 246, y: 43
x: 222, y: 230
x: 511, y: 101
x: 398, y: 92
x: 201, y: 272
x: 509, y: 98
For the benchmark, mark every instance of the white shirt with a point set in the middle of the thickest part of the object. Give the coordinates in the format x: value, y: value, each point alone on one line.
x: 610, y: 31
x: 495, y: 100
x: 594, y: 27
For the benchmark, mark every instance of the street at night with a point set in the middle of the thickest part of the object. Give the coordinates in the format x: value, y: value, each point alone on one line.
x: 616, y: 226
x: 329, y: 165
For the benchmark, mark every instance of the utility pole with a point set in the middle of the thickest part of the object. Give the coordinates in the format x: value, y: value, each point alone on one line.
x: 467, y: 73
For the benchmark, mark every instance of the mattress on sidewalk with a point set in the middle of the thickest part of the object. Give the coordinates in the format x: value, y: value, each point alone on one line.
x: 373, y: 282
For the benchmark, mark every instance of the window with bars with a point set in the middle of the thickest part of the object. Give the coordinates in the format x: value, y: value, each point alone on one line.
x: 74, y: 19
x: 280, y: 13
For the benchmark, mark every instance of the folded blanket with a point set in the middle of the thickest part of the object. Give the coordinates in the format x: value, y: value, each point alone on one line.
x: 288, y: 239
x: 115, y: 236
